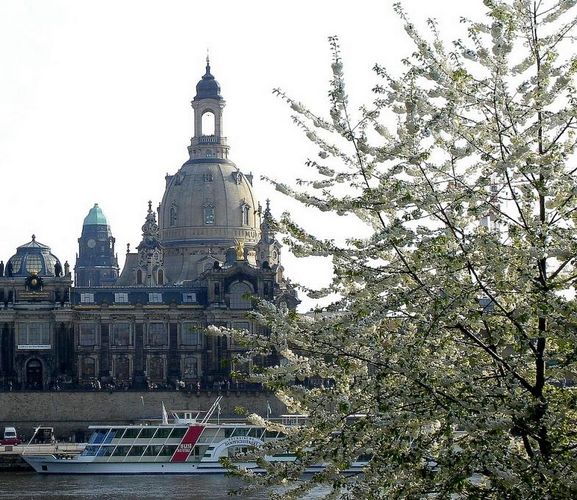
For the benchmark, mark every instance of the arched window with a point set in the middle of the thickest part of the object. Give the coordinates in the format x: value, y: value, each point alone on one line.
x: 208, y: 123
x: 209, y: 215
x: 139, y: 277
x: 88, y: 368
x: 160, y: 278
x: 244, y: 212
x: 240, y: 295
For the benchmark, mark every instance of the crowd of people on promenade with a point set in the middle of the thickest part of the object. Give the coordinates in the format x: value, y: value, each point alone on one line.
x: 110, y: 384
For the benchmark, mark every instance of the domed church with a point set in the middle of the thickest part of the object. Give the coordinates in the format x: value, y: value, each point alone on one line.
x: 206, y: 251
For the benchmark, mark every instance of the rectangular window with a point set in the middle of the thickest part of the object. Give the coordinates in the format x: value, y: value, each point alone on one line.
x: 155, y: 298
x: 209, y: 215
x: 238, y: 325
x: 121, y: 298
x: 157, y: 334
x: 189, y: 297
x: 121, y: 334
x: 87, y: 334
x: 88, y: 368
x: 87, y: 298
x: 189, y: 335
x: 189, y: 367
x: 241, y: 325
x: 34, y: 336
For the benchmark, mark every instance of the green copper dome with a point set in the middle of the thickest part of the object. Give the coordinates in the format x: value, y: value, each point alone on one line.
x: 95, y: 217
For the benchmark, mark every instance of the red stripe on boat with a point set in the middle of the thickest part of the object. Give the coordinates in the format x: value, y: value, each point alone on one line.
x: 187, y: 443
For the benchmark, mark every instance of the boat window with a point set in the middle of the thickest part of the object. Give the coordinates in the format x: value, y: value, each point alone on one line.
x: 211, y: 432
x: 240, y: 431
x: 105, y: 451
x: 90, y: 451
x: 168, y: 450
x: 255, y: 432
x: 147, y: 433
x: 120, y: 451
x: 136, y: 451
x: 270, y: 434
x: 98, y: 436
x: 131, y: 432
x: 227, y: 432
x: 152, y: 451
x: 162, y: 433
x: 111, y: 435
x: 120, y: 433
x: 178, y: 432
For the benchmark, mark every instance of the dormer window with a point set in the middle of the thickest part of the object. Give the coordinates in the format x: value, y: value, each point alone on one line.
x: 209, y: 215
x: 208, y: 177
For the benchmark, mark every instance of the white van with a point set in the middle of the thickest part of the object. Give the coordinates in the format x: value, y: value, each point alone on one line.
x: 10, y: 436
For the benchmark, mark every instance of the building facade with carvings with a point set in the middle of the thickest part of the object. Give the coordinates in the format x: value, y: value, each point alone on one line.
x: 206, y: 251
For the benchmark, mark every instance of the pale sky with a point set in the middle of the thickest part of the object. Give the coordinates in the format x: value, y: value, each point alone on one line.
x: 95, y: 100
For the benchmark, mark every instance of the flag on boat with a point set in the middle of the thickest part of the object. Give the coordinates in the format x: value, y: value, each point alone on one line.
x: 164, y: 415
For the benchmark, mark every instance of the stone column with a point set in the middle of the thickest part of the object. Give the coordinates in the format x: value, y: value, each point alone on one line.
x: 104, y: 350
x: 138, y: 364
x: 173, y: 355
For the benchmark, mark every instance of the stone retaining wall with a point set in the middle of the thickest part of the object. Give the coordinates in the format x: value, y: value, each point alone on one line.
x: 71, y: 413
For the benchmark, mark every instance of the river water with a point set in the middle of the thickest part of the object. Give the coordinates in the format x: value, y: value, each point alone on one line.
x: 26, y: 485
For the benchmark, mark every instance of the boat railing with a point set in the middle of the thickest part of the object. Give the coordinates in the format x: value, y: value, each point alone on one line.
x: 196, y: 416
x: 213, y: 408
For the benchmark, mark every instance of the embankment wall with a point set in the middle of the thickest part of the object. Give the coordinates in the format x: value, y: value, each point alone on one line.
x: 70, y: 413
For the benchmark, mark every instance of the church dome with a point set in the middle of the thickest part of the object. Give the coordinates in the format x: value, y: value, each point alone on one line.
x: 208, y: 203
x: 33, y: 258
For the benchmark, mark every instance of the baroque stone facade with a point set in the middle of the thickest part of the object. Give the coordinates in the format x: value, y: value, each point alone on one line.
x: 206, y: 250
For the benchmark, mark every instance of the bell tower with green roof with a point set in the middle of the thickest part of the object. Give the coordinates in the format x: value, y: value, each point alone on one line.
x: 96, y: 261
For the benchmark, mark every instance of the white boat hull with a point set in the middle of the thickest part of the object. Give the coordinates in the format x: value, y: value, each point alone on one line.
x: 50, y: 464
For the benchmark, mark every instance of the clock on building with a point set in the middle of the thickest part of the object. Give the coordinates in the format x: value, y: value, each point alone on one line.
x: 34, y: 282
x: 91, y: 243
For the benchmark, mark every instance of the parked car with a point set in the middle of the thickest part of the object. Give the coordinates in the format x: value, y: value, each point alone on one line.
x: 10, y: 437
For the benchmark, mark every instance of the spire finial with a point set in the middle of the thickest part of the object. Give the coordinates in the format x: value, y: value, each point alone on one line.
x: 33, y: 237
x: 149, y: 205
x: 207, y: 62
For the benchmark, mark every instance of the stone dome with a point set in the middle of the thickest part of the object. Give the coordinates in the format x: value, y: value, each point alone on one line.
x: 208, y: 205
x: 33, y: 258
x: 208, y: 202
x: 207, y: 87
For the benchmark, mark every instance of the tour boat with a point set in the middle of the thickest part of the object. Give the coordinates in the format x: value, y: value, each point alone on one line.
x: 189, y: 444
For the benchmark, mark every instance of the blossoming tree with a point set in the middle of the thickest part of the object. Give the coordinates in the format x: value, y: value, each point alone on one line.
x: 449, y: 358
